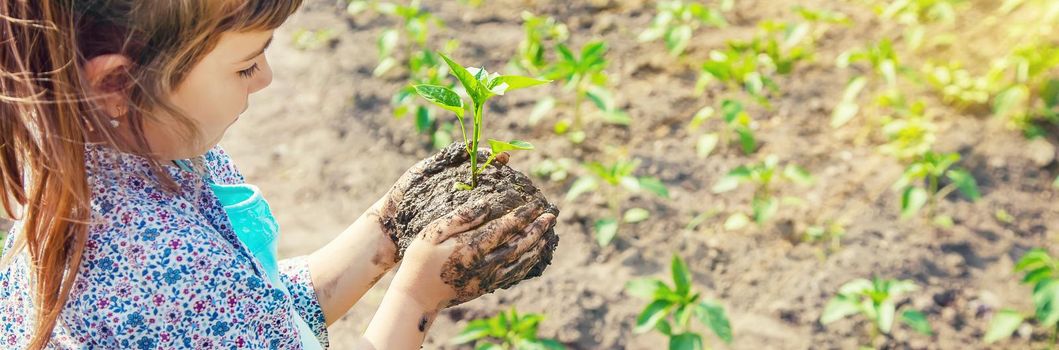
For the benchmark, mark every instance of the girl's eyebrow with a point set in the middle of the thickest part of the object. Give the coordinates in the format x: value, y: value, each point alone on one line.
x: 259, y: 52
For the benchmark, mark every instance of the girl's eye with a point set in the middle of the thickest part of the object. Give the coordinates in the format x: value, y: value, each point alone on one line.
x: 249, y: 72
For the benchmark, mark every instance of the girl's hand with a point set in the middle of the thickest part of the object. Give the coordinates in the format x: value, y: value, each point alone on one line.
x: 460, y: 257
x: 385, y: 208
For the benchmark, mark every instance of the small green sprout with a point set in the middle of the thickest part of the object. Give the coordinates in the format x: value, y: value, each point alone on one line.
x: 884, y: 64
x: 877, y: 301
x: 584, y: 75
x: 908, y: 130
x: 1042, y: 272
x: 916, y: 14
x: 830, y: 232
x: 737, y: 126
x: 539, y: 31
x: 1032, y: 98
x: 618, y: 183
x: 957, y: 86
x: 677, y: 21
x: 554, y: 169
x: 480, y: 86
x: 415, y: 27
x: 763, y: 176
x: 672, y: 308
x: 930, y: 168
x: 506, y: 331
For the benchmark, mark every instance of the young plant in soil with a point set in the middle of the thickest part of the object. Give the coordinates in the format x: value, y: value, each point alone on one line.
x: 422, y: 64
x: 1031, y: 99
x: 538, y: 33
x: 584, y: 76
x: 957, y: 86
x: 677, y: 21
x: 737, y: 126
x: 1042, y: 272
x: 885, y: 67
x: 920, y: 185
x: 916, y: 15
x: 672, y: 308
x: 616, y: 183
x: 764, y: 177
x: 506, y: 331
x: 908, y: 130
x: 480, y: 86
x: 876, y: 300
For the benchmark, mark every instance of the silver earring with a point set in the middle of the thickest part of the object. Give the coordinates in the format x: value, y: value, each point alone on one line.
x: 114, y: 120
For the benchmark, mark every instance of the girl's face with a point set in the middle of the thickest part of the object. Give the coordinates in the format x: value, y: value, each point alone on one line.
x: 214, y: 93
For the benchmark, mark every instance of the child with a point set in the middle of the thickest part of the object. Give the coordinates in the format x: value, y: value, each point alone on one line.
x: 134, y: 229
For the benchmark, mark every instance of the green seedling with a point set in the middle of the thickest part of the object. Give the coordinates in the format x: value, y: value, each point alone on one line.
x: 916, y: 14
x: 616, y: 182
x: 672, y: 308
x: 506, y: 331
x: 480, y: 86
x: 584, y: 75
x: 737, y: 126
x: 957, y: 86
x: 908, y: 130
x: 538, y: 33
x: 764, y: 177
x: 414, y: 30
x: 306, y: 39
x: 1031, y: 98
x: 1042, y: 272
x: 677, y: 21
x: 885, y: 68
x: 830, y: 232
x: 877, y: 301
x: 920, y: 184
x: 426, y: 68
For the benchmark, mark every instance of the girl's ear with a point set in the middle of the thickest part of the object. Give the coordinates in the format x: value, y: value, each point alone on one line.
x: 108, y: 78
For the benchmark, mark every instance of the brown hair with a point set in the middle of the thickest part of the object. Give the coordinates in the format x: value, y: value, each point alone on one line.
x: 46, y: 115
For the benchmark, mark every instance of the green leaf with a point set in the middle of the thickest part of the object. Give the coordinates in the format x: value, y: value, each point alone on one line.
x: 1046, y: 298
x: 384, y: 66
x: 649, y: 317
x: 515, y: 82
x: 1007, y: 103
x: 727, y: 183
x: 855, y: 287
x: 477, y: 329
x: 918, y: 321
x: 736, y: 222
x: 1033, y: 259
x: 1003, y: 325
x: 387, y: 42
x: 685, y: 341
x: 707, y: 143
x: 423, y: 120
x: 582, y: 185
x: 912, y: 200
x: 654, y: 185
x: 515, y: 145
x: 606, y: 229
x: 713, y: 316
x: 677, y: 39
x: 764, y: 208
x: 798, y: 174
x: 664, y: 328
x: 838, y: 308
x: 644, y: 287
x: 747, y: 140
x: 442, y: 97
x: 635, y: 215
x: 886, y: 312
x: 966, y: 183
x: 469, y: 82
x: 681, y: 275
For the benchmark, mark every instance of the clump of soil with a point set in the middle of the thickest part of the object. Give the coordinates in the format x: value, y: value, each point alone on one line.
x: 434, y: 194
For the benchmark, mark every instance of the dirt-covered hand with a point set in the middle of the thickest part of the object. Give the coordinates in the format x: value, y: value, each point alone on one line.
x: 461, y: 256
x: 385, y: 209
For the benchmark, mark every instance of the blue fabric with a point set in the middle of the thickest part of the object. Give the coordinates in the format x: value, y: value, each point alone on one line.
x: 257, y: 229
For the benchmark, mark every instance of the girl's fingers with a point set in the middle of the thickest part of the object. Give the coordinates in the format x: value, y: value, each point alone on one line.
x: 532, y: 236
x: 497, y: 232
x: 463, y: 219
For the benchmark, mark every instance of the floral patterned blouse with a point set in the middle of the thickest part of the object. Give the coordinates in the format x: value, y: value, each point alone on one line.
x: 163, y: 271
